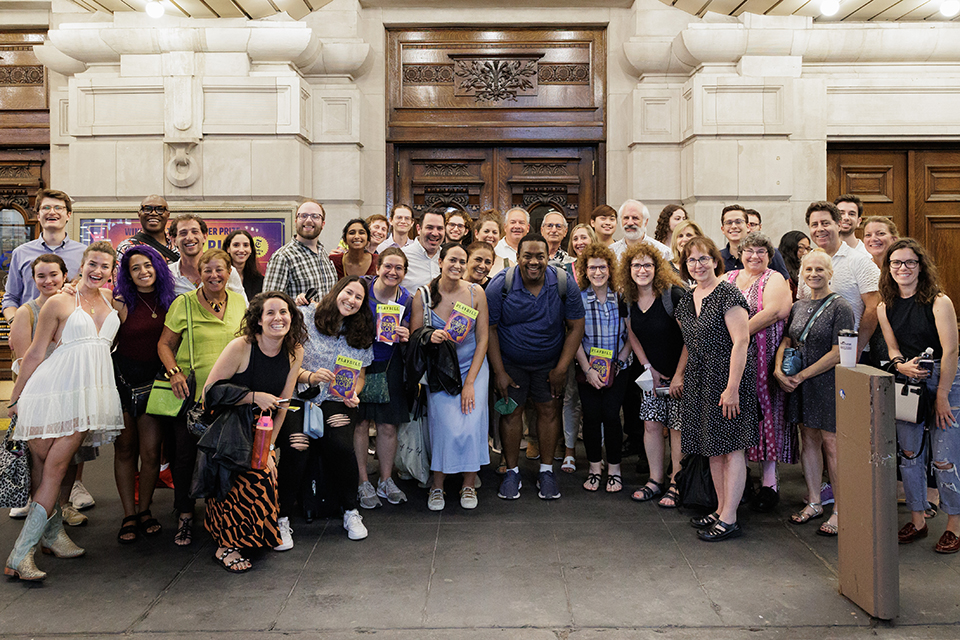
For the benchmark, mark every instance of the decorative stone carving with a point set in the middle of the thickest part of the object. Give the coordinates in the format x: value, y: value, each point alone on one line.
x: 446, y: 196
x: 428, y: 73
x: 15, y: 171
x: 495, y: 80
x: 446, y: 170
x: 21, y: 75
x: 564, y: 74
x: 182, y: 169
x: 8, y: 199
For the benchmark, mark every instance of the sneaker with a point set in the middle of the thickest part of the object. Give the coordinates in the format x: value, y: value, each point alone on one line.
x: 73, y: 517
x: 388, y: 489
x: 80, y: 497
x: 826, y: 493
x: 367, y: 496
x: 468, y: 498
x: 547, y: 483
x: 510, y: 487
x: 476, y: 485
x: 435, y: 501
x: 353, y: 523
x: 286, y: 535
x: 19, y: 513
x: 533, y: 450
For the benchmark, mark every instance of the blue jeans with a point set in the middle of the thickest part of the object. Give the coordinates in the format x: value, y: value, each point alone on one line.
x: 945, y: 448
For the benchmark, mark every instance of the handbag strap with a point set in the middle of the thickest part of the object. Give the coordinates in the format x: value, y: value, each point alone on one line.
x: 190, y: 331
x: 823, y: 307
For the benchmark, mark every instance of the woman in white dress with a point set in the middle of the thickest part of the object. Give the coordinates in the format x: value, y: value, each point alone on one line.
x: 68, y: 399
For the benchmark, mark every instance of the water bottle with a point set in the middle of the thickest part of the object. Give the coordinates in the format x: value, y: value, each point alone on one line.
x: 926, y: 361
x: 261, y: 442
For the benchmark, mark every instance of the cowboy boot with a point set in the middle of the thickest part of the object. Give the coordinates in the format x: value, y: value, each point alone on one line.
x: 20, y: 561
x: 55, y: 540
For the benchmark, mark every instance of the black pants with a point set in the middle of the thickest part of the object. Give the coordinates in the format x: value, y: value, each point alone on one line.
x: 632, y: 398
x: 182, y: 447
x: 335, y: 450
x: 601, y: 409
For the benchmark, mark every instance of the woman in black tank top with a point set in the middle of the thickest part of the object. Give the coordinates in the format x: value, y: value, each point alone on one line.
x: 915, y: 315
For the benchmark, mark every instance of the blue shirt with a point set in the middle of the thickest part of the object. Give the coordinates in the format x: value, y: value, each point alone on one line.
x: 20, y: 287
x: 604, y: 328
x: 531, y: 329
x: 383, y: 350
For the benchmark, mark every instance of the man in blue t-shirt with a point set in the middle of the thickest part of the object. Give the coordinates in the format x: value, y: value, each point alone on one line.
x: 536, y: 324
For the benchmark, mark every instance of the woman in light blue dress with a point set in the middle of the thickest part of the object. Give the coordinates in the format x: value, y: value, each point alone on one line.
x: 458, y: 424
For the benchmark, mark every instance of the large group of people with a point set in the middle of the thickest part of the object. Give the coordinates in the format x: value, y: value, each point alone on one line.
x: 473, y: 335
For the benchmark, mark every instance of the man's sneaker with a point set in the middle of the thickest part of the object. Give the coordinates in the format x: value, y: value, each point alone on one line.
x: 510, y: 487
x: 826, y: 493
x: 286, y: 535
x: 367, y: 496
x: 468, y: 498
x: 390, y: 491
x: 435, y: 501
x: 19, y: 513
x: 80, y: 497
x: 547, y: 483
x: 73, y: 517
x: 353, y: 523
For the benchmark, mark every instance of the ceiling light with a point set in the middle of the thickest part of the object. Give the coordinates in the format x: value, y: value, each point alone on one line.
x: 950, y: 8
x: 154, y: 9
x: 830, y: 7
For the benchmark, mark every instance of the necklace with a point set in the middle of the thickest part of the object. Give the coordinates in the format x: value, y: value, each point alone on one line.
x: 153, y: 312
x: 216, y: 305
x: 92, y: 304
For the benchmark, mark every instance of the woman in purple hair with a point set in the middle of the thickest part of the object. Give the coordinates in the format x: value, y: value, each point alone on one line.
x: 143, y: 292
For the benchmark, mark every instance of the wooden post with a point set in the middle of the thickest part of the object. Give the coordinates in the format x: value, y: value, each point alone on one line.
x: 866, y: 490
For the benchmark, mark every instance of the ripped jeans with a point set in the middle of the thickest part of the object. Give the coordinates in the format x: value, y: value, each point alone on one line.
x: 945, y: 447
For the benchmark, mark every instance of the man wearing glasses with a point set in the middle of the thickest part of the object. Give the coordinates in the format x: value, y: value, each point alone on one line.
x: 302, y: 265
x: 634, y: 216
x: 735, y: 223
x: 153, y: 214
x: 54, y: 209
x: 553, y: 227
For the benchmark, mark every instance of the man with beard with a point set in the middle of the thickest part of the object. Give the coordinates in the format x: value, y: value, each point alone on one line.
x: 302, y: 265
x: 153, y: 214
x: 190, y: 236
x: 534, y: 334
x: 516, y: 224
x: 423, y: 254
x: 634, y: 216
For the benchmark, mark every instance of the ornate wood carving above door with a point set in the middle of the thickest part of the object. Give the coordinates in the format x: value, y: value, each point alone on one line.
x: 483, y: 85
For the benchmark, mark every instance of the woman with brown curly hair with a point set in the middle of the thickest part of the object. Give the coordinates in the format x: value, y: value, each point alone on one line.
x: 652, y: 290
x: 266, y: 360
x: 600, y: 357
x: 670, y: 217
x: 915, y: 315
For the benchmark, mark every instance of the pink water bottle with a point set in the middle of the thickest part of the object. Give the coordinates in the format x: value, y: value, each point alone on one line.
x: 261, y: 442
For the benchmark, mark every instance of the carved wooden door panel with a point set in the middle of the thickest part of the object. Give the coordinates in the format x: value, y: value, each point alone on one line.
x: 541, y: 179
x: 879, y: 178
x: 935, y: 214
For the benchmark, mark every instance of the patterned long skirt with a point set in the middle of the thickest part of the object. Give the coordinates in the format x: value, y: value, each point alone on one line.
x: 247, y: 517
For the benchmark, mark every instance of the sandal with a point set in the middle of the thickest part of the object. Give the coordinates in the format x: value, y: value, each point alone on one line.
x: 184, y: 535
x: 811, y: 511
x: 614, y: 483
x: 128, y: 530
x: 569, y: 464
x: 151, y: 526
x: 646, y: 492
x: 593, y: 482
x: 672, y: 495
x: 221, y: 559
x: 828, y: 530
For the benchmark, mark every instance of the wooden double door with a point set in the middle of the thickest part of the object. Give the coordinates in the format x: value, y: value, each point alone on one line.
x: 919, y: 188
x: 478, y: 178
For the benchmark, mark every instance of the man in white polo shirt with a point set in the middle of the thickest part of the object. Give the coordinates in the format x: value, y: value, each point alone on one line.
x: 516, y: 224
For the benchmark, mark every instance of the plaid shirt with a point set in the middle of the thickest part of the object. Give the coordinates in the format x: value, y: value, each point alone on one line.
x: 603, y: 327
x: 295, y: 269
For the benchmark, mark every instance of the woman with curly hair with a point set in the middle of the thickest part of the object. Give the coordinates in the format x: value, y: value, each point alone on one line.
x: 670, y: 217
x: 341, y: 324
x: 266, y: 360
x: 650, y: 287
x: 142, y: 295
x: 915, y: 315
x: 600, y: 358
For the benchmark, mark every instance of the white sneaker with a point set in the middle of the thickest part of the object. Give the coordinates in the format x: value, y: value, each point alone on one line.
x: 353, y: 523
x: 468, y: 498
x: 435, y: 501
x: 286, y: 535
x: 19, y: 513
x: 80, y: 497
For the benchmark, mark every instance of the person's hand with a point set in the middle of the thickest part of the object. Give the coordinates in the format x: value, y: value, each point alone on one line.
x: 69, y: 288
x: 299, y: 441
x: 403, y: 334
x: 784, y: 380
x: 12, y: 411
x: 178, y: 382
x: 323, y: 375
x: 912, y: 369
x: 676, y: 385
x: 558, y: 382
x: 593, y: 378
x: 266, y: 401
x: 467, y: 399
x: 301, y: 300
x: 942, y: 410
x: 657, y: 378
x: 439, y: 336
x: 338, y: 420
x: 352, y: 400
x: 730, y: 403
x: 503, y: 383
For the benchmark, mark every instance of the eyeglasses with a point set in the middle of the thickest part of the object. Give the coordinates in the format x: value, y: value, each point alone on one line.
x: 646, y: 266
x: 597, y: 267
x: 553, y: 225
x: 802, y: 250
x: 755, y: 251
x: 909, y: 264
x: 703, y: 260
x: 59, y: 208
x: 152, y: 209
x: 739, y: 222
x: 310, y: 216
x: 753, y: 225
x: 455, y: 225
